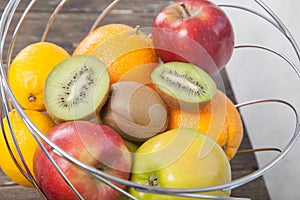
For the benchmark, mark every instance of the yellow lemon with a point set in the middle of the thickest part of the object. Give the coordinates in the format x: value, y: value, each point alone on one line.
x: 29, y: 70
x: 25, y: 141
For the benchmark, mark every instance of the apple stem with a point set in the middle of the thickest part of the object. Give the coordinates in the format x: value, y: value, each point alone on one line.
x: 187, y: 12
x: 153, y: 180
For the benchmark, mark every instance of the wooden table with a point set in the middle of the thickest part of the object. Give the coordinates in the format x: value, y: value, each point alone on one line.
x: 68, y: 30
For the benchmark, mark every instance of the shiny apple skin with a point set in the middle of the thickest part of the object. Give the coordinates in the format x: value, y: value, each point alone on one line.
x: 206, y: 38
x: 180, y: 158
x: 91, y: 143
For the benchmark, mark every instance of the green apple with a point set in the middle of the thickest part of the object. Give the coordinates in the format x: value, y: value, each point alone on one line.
x: 180, y: 158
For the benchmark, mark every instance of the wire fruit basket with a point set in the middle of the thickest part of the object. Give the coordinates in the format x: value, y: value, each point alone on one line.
x: 10, y: 22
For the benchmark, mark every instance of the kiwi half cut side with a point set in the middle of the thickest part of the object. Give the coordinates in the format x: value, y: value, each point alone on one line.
x: 184, y: 85
x: 76, y: 88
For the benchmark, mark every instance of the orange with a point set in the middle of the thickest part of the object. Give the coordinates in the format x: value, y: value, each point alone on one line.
x: 127, y: 52
x: 25, y: 141
x: 220, y: 120
x: 28, y: 72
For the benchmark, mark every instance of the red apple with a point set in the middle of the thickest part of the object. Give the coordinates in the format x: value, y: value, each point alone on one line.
x: 195, y: 31
x: 91, y: 143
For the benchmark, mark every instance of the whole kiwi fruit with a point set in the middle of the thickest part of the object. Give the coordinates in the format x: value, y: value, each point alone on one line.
x: 135, y: 111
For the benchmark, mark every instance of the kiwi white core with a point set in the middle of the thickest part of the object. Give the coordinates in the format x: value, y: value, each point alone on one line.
x: 184, y: 82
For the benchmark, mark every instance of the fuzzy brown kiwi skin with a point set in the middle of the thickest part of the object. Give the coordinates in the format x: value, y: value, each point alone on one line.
x: 108, y: 119
x: 139, y: 129
x: 93, y: 116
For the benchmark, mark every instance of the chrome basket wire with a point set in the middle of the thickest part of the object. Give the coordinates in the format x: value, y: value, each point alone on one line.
x: 8, y: 100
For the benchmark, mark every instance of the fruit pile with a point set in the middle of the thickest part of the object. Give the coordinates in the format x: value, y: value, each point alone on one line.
x: 144, y: 109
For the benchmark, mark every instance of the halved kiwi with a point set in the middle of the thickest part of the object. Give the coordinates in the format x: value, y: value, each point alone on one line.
x: 183, y: 85
x: 76, y: 88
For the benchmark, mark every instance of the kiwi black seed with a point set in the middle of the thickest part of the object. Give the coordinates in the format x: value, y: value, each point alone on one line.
x: 184, y: 85
x: 76, y: 88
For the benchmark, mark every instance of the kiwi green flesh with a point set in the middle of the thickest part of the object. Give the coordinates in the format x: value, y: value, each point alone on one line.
x: 76, y: 88
x: 184, y: 82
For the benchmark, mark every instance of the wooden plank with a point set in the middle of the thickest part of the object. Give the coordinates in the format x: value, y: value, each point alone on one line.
x: 18, y: 193
x: 92, y: 5
x: 11, y: 191
x: 71, y: 25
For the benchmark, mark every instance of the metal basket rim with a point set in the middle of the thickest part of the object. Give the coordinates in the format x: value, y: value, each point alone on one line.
x: 6, y: 92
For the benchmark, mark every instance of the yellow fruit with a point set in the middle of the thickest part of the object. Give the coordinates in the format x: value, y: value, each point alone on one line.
x: 25, y: 141
x: 127, y: 52
x: 179, y: 158
x: 29, y: 70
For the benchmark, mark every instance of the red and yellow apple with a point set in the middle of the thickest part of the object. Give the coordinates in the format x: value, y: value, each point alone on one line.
x: 91, y: 143
x: 180, y: 158
x: 194, y: 31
